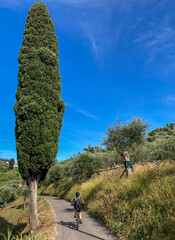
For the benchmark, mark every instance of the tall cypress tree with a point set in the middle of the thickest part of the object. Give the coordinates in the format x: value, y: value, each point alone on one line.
x: 39, y: 109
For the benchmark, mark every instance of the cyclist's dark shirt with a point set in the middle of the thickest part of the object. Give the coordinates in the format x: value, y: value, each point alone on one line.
x: 77, y: 198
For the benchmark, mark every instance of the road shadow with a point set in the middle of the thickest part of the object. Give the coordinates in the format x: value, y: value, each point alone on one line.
x: 68, y: 210
x: 72, y: 226
x: 56, y: 198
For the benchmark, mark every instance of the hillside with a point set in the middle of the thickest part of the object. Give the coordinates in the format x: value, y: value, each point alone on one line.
x: 142, y: 207
x: 3, y: 165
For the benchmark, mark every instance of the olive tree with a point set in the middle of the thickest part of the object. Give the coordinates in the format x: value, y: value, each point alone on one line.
x: 123, y: 137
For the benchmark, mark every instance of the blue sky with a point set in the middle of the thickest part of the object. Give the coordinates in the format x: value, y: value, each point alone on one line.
x: 117, y: 59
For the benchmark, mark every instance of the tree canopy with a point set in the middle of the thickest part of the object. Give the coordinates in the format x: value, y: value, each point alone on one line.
x: 38, y: 108
x: 123, y: 136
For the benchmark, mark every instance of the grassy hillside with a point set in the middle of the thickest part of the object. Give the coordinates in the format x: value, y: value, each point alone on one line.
x: 142, y: 207
x: 16, y: 219
x: 3, y: 166
x: 9, y: 175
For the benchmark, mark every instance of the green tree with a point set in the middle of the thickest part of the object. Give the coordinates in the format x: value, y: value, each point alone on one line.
x: 123, y: 137
x: 11, y: 163
x: 38, y: 108
x: 89, y: 149
x: 94, y: 149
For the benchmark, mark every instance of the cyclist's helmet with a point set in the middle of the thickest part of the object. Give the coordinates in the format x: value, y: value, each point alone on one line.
x: 77, y: 194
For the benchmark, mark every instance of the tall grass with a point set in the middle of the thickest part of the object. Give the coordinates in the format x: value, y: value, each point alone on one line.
x: 142, y: 207
x: 87, y: 189
x: 10, y: 237
x: 138, y: 208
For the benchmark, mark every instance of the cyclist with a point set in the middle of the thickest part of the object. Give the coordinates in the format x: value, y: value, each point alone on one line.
x: 77, y: 201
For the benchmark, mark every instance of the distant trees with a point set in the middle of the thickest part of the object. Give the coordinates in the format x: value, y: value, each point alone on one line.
x: 169, y: 129
x: 92, y: 149
x: 4, y: 166
x: 11, y: 163
x: 38, y: 108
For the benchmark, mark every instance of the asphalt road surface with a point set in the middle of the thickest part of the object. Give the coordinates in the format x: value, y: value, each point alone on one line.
x: 65, y: 227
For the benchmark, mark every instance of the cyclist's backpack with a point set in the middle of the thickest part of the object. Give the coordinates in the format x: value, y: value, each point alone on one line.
x: 77, y: 202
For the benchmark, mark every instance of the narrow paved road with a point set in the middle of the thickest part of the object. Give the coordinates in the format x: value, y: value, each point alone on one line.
x: 65, y: 228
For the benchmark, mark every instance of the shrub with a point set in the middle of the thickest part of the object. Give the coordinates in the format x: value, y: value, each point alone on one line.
x: 54, y: 174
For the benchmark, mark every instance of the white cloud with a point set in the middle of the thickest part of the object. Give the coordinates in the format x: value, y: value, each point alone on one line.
x: 157, y: 41
x: 90, y: 35
x: 83, y: 112
x: 106, y: 24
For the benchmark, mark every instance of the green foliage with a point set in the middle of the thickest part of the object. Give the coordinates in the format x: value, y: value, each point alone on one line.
x: 159, y: 145
x: 3, y: 166
x: 54, y: 174
x: 9, y: 189
x: 39, y: 108
x: 139, y: 208
x: 82, y: 167
x: 142, y: 207
x: 7, y: 193
x: 25, y: 192
x: 93, y: 149
x: 11, y: 237
x: 11, y: 177
x: 124, y: 136
x: 169, y: 129
x: 11, y: 163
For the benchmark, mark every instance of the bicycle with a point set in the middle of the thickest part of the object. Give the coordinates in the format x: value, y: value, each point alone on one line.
x: 77, y: 217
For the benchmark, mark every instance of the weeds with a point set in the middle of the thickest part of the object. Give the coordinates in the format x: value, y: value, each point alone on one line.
x: 138, y: 208
x: 10, y: 237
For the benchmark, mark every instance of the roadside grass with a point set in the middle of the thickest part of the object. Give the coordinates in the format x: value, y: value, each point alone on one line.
x: 14, y: 220
x: 87, y: 189
x: 142, y: 207
x: 59, y: 189
x: 139, y: 208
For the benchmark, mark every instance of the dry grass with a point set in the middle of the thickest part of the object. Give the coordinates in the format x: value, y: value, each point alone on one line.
x: 142, y: 207
x: 139, y: 208
x: 17, y: 219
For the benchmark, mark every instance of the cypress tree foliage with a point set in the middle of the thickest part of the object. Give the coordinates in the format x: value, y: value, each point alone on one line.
x: 11, y: 163
x: 39, y: 109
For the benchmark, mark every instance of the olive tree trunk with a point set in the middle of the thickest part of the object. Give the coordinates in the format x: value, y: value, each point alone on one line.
x: 129, y: 172
x: 24, y: 204
x: 126, y: 158
x: 33, y: 210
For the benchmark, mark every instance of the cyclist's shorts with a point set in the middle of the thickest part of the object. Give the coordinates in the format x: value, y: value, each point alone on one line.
x: 78, y: 208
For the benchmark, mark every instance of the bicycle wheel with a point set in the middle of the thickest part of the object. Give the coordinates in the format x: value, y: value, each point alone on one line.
x: 77, y: 221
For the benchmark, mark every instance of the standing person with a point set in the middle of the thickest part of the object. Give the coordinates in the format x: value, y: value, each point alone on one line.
x: 77, y: 202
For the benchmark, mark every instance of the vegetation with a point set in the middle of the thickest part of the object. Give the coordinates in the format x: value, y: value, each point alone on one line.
x: 123, y: 137
x: 159, y: 144
x: 142, y: 207
x: 11, y: 163
x: 39, y: 108
x: 14, y: 221
x: 3, y: 166
x: 12, y: 186
x: 138, y: 208
x: 9, y: 175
